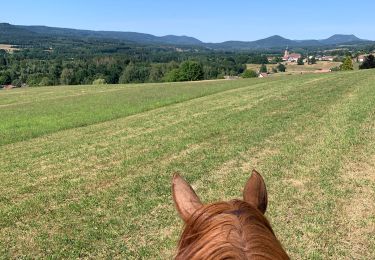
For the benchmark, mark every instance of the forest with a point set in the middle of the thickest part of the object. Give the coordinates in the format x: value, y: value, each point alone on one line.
x: 70, y: 59
x: 87, y: 61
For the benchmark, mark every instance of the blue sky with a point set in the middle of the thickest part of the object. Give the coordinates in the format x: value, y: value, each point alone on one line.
x: 208, y: 20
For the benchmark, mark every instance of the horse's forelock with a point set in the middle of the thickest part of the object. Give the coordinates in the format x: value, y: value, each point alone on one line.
x: 228, y: 230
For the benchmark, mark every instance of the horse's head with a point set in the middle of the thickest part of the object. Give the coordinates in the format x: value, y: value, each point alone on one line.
x: 236, y: 229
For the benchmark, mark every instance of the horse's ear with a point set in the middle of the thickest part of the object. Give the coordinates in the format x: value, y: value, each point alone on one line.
x: 185, y: 199
x: 255, y: 192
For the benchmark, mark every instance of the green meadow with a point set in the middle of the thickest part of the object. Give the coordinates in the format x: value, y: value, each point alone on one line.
x: 85, y: 171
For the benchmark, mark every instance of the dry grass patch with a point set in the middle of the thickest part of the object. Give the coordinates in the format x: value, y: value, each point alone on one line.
x: 320, y: 65
x: 293, y: 68
x: 358, y: 216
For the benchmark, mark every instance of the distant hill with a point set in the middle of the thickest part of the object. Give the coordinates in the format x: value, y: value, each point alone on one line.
x: 14, y: 33
x: 20, y: 34
x: 277, y: 41
x: 11, y: 34
x: 173, y: 39
x: 341, y: 39
x: 270, y: 42
x: 127, y: 36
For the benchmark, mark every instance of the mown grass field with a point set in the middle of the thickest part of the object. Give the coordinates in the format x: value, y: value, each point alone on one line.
x: 85, y: 171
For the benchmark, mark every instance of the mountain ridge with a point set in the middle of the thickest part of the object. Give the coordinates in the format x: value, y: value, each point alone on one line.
x: 34, y: 32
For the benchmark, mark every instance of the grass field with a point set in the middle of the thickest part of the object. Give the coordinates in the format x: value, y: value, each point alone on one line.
x: 85, y: 171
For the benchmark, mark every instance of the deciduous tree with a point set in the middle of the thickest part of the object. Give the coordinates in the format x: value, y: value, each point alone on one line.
x: 67, y: 76
x: 368, y: 63
x: 263, y: 69
x: 281, y: 67
x: 347, y: 64
x: 191, y: 71
x: 249, y: 74
x: 313, y: 60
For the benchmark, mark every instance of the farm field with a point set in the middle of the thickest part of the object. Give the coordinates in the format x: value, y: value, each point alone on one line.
x: 293, y: 68
x: 320, y: 65
x: 85, y: 171
x: 7, y: 47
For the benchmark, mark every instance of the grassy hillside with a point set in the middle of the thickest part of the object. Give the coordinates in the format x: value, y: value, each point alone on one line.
x: 28, y: 113
x: 85, y: 171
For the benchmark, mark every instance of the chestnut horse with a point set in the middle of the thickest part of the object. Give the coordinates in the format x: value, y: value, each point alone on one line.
x: 236, y: 229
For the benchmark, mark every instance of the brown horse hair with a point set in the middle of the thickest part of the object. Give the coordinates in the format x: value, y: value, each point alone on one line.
x: 227, y: 230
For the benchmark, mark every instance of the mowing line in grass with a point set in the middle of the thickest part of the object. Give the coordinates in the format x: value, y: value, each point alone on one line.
x: 104, y: 190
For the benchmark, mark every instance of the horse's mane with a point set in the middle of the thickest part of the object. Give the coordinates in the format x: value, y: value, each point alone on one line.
x: 229, y: 230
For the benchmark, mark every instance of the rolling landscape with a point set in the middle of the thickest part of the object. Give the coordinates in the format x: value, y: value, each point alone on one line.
x: 86, y: 170
x: 101, y: 126
x: 45, y: 56
x: 19, y: 34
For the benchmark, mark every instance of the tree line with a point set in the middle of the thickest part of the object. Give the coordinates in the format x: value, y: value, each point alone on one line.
x: 118, y: 64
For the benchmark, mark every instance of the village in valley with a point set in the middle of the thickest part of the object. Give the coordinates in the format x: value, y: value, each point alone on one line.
x: 296, y: 63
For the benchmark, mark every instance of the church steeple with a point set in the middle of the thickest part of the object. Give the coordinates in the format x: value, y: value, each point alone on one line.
x: 286, y: 53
